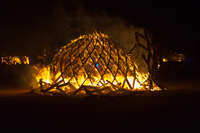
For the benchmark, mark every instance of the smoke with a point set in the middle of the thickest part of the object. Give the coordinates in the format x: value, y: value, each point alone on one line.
x: 53, y: 27
x: 69, y: 25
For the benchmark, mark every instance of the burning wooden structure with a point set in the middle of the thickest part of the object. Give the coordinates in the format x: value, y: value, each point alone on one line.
x: 92, y: 65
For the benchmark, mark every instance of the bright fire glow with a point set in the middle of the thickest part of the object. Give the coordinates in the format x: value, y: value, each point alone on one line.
x: 94, y: 74
x: 44, y: 74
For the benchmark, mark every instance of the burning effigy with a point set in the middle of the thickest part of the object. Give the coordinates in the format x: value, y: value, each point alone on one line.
x: 92, y: 65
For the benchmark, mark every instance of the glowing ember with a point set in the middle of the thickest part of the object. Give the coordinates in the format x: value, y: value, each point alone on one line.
x: 91, y: 64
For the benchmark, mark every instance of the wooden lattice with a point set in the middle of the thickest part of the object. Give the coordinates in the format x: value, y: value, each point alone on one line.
x: 91, y: 64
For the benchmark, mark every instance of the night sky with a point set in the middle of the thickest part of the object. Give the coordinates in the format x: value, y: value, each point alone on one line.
x: 29, y: 26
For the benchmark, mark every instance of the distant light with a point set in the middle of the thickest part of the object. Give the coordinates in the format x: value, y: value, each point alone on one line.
x: 179, y: 60
x: 158, y: 67
x: 164, y: 60
x: 14, y: 60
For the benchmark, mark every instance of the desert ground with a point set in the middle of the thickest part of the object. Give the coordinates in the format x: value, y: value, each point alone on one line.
x: 175, y: 108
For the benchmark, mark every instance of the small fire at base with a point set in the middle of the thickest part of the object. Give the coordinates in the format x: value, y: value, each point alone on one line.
x: 91, y: 65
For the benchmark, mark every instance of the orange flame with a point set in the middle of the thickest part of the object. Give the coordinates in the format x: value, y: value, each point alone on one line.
x: 45, y: 75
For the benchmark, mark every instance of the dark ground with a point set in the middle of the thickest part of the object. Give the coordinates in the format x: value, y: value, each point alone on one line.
x: 177, y: 108
x: 153, y: 111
